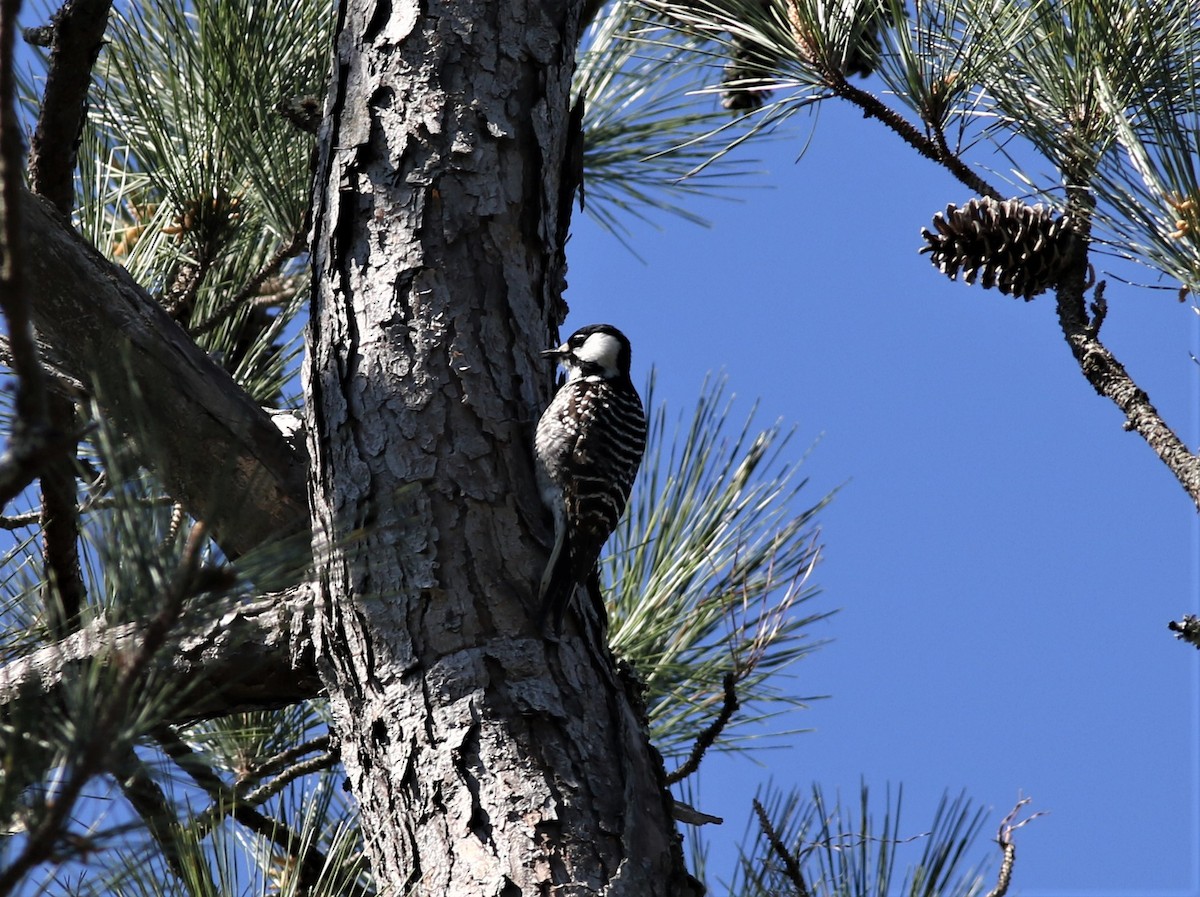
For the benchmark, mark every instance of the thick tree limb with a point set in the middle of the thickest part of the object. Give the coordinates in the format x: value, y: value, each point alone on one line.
x: 213, y: 449
x: 253, y: 656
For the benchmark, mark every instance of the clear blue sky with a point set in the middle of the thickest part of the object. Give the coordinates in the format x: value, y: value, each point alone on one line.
x: 1005, y: 556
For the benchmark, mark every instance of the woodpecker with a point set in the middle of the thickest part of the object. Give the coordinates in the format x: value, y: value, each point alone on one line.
x: 588, y: 448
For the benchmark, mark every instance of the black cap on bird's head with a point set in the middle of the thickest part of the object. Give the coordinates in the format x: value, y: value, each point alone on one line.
x: 597, y: 349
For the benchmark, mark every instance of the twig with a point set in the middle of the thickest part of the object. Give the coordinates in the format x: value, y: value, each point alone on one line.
x: 708, y: 737
x: 1099, y: 309
x: 791, y: 864
x: 26, y: 457
x: 272, y: 266
x: 19, y: 521
x: 1009, y: 849
x: 277, y: 762
x: 324, y: 760
x: 148, y: 800
x: 309, y: 861
x: 873, y: 107
x: 93, y: 753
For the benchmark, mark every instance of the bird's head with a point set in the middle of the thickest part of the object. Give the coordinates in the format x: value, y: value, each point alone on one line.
x: 598, y: 350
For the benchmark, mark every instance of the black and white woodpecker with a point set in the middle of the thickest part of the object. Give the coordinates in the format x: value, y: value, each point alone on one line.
x: 588, y: 448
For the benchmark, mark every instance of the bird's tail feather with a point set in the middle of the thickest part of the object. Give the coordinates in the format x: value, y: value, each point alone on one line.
x: 557, y: 592
x: 558, y: 584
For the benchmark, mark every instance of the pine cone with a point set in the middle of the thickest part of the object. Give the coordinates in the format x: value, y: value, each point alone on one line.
x: 1017, y: 248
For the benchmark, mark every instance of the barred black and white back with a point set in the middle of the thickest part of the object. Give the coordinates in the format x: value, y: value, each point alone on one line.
x: 588, y: 448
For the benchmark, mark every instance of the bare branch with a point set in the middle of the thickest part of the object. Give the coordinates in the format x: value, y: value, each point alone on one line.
x: 65, y: 593
x: 324, y: 760
x: 27, y: 444
x: 791, y: 863
x: 20, y: 521
x: 240, y: 795
x: 711, y: 733
x: 1008, y: 848
x: 936, y: 151
x: 78, y: 31
x: 274, y: 764
x: 1110, y: 379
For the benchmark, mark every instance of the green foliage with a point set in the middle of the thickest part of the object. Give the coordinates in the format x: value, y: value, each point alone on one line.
x: 191, y: 178
x: 709, y: 570
x: 649, y: 145
x: 853, y: 852
x: 1105, y: 92
x: 167, y: 83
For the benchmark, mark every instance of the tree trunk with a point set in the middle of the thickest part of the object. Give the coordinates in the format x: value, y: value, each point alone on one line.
x: 485, y: 759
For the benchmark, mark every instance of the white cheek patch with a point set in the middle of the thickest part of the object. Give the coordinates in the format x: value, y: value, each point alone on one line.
x: 602, y: 349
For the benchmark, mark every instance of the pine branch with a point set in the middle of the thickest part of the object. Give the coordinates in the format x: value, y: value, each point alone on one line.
x: 26, y: 453
x: 216, y: 443
x: 275, y: 764
x: 791, y: 863
x: 287, y: 251
x: 78, y: 32
x: 148, y: 800
x: 1099, y: 366
x: 708, y: 737
x: 1008, y: 847
x: 935, y: 150
x: 93, y: 753
x: 307, y: 859
x: 324, y: 760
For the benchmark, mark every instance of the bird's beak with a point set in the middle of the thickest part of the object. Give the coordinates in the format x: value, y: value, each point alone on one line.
x: 560, y: 352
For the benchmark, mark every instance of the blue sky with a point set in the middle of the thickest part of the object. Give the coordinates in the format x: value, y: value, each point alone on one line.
x: 1004, y: 555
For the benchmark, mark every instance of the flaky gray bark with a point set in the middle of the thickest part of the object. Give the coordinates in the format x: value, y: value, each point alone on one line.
x: 486, y: 760
x: 251, y: 655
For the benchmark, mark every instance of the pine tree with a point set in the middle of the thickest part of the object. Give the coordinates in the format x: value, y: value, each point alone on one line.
x: 182, y: 635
